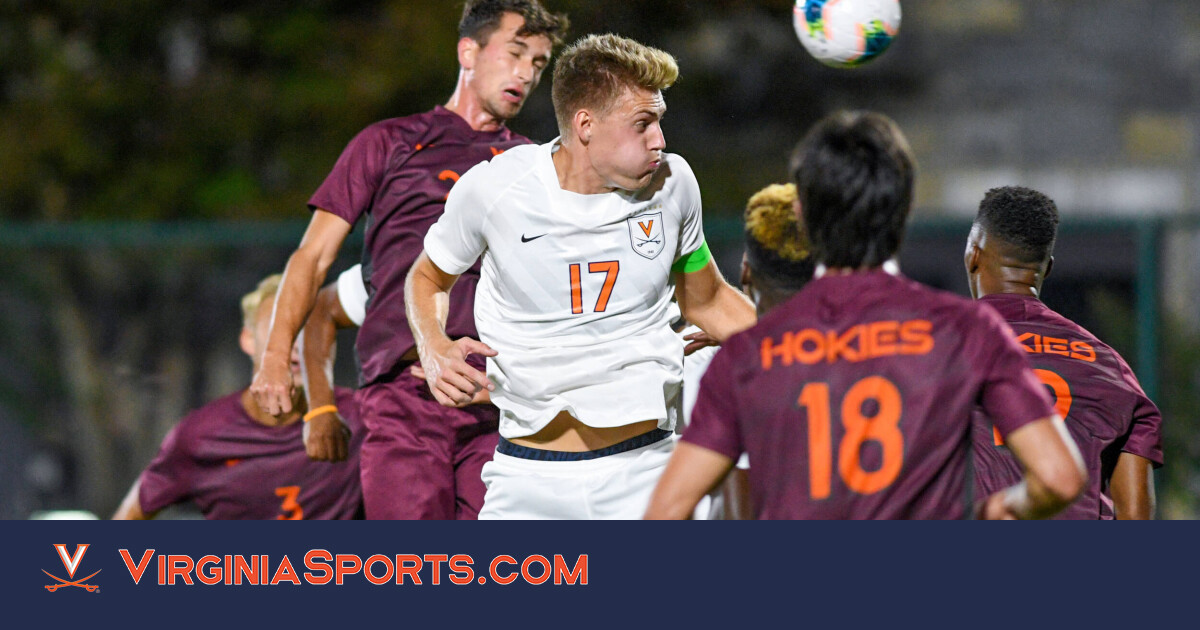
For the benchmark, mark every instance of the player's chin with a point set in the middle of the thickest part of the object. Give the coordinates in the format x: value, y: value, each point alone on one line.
x: 507, y: 109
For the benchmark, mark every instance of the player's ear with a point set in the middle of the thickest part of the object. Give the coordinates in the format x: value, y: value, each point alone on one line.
x: 468, y: 48
x: 1049, y: 266
x: 972, y: 258
x: 246, y: 341
x: 582, y: 123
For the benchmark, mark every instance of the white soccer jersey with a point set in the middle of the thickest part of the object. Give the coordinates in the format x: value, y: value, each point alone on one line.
x: 574, y: 288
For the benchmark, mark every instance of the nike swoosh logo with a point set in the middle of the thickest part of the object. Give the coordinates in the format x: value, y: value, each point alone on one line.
x: 525, y: 239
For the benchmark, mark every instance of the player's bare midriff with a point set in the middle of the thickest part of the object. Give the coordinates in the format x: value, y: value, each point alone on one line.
x: 566, y: 433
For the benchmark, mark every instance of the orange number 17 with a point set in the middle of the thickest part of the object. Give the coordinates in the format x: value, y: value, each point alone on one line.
x: 610, y: 269
x: 882, y: 427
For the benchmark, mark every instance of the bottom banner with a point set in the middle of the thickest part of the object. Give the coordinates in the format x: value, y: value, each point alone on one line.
x: 194, y: 573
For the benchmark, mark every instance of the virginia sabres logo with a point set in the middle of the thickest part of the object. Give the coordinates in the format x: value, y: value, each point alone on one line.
x: 646, y: 234
x: 71, y: 562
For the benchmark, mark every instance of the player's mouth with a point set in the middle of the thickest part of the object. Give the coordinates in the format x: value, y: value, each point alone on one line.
x: 514, y: 95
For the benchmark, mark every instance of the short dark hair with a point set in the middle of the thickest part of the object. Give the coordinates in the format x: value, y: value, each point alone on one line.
x: 1022, y: 217
x: 777, y: 249
x: 481, y: 18
x: 854, y: 175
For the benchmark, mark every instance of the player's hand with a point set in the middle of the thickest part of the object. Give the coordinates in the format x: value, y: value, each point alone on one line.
x: 996, y: 508
x: 272, y: 385
x: 482, y: 397
x: 698, y: 340
x: 327, y: 438
x: 453, y: 382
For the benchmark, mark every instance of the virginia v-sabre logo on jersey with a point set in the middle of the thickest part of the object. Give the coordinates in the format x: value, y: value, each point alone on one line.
x: 646, y: 234
x: 71, y: 562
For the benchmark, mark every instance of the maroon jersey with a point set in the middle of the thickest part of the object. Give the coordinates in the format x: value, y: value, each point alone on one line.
x: 1094, y: 390
x: 233, y: 467
x: 853, y: 399
x: 398, y: 173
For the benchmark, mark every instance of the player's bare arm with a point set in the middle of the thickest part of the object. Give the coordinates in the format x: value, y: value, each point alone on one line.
x: 1054, y: 473
x: 1132, y: 488
x: 453, y: 382
x: 708, y: 301
x: 738, y: 506
x: 692, y: 472
x: 130, y: 508
x: 303, y: 276
x: 326, y: 436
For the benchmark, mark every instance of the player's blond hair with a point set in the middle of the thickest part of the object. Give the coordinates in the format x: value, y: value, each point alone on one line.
x: 777, y: 247
x: 594, y: 71
x: 263, y: 293
x: 771, y: 221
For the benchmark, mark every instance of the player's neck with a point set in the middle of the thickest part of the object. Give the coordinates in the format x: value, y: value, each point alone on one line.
x: 1009, y: 280
x: 890, y: 266
x: 299, y: 407
x: 576, y: 173
x: 469, y: 107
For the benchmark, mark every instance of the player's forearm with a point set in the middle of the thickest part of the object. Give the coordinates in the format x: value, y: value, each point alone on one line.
x: 426, y: 294
x: 691, y: 473
x: 736, y: 493
x: 303, y: 276
x: 727, y: 313
x: 130, y: 508
x: 318, y: 348
x: 297, y: 295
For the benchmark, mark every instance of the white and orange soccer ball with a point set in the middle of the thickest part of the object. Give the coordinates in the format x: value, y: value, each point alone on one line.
x: 846, y: 33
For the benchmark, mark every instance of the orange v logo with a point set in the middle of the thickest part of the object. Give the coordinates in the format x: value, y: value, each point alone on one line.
x: 646, y: 227
x: 71, y: 562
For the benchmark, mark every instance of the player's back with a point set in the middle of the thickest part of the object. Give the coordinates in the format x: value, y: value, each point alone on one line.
x: 233, y: 467
x: 853, y: 399
x: 1094, y: 390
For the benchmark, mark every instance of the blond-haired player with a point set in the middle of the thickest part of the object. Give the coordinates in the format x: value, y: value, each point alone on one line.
x: 583, y: 242
x: 233, y: 460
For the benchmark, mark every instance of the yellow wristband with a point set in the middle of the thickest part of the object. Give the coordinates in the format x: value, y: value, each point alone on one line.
x: 320, y: 410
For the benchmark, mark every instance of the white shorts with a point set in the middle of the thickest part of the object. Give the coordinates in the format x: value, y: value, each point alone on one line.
x: 616, y: 486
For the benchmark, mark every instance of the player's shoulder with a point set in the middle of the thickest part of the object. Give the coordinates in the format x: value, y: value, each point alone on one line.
x: 494, y: 176
x: 209, y: 419
x: 399, y: 131
x: 519, y: 157
x: 679, y: 172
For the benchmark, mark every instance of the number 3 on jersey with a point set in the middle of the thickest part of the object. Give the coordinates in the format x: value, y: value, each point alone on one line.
x: 883, y: 427
x: 1058, y: 388
x: 610, y: 269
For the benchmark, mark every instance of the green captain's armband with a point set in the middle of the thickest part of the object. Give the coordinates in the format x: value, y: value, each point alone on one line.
x: 694, y: 261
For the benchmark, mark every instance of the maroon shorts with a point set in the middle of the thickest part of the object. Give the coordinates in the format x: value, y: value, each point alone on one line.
x: 421, y: 460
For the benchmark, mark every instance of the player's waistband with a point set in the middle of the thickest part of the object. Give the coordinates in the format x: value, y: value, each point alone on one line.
x: 542, y: 455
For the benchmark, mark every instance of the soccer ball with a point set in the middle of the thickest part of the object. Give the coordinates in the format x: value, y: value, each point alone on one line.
x: 846, y: 33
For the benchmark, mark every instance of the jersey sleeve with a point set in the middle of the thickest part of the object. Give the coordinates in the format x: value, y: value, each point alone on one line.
x: 352, y: 293
x: 456, y: 241
x: 714, y: 421
x: 1012, y: 396
x: 349, y: 189
x: 1145, y: 432
x: 168, y: 478
x: 693, y: 252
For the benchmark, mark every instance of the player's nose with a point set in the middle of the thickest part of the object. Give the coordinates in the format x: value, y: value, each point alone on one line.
x: 525, y: 70
x: 657, y: 139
